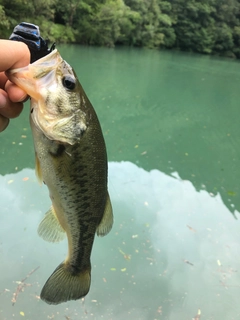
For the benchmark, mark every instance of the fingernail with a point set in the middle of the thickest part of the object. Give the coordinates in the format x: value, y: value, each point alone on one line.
x: 23, y: 97
x: 3, y: 101
x: 4, y: 122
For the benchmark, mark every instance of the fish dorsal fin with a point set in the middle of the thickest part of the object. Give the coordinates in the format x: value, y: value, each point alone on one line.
x: 38, y: 170
x: 107, y: 220
x: 49, y: 228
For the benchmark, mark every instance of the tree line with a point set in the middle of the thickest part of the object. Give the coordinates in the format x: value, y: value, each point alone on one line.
x: 204, y: 26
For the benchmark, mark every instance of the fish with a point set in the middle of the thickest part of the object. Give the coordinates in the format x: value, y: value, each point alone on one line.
x: 71, y: 159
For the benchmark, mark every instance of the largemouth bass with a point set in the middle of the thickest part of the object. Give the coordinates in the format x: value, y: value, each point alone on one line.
x: 71, y: 160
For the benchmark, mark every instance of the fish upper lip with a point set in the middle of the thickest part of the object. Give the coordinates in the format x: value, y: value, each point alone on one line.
x: 47, y: 62
x: 30, y: 76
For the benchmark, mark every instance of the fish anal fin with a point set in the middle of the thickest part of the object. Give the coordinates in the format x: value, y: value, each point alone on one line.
x: 49, y: 228
x: 38, y: 170
x: 107, y: 220
x: 63, y: 285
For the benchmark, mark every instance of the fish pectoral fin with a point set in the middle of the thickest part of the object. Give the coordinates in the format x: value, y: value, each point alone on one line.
x: 50, y: 229
x: 64, y: 285
x: 107, y: 220
x: 38, y: 170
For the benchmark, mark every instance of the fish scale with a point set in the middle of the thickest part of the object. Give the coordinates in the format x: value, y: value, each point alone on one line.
x: 71, y: 159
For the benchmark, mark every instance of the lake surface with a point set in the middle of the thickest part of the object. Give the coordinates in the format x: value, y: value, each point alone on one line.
x: 172, y: 129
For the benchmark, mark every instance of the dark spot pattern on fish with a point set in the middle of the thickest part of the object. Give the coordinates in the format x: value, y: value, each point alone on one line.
x: 73, y: 269
x: 60, y: 103
x: 84, y: 206
x: 47, y: 99
x: 57, y: 150
x: 85, y: 148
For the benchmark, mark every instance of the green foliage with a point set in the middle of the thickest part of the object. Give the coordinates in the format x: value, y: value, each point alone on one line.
x: 106, y: 24
x: 3, y: 19
x: 17, y: 11
x: 206, y: 26
x: 55, y: 32
x: 194, y: 25
x: 4, y: 23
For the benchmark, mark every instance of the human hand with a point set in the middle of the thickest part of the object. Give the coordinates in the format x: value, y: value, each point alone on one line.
x: 13, y: 54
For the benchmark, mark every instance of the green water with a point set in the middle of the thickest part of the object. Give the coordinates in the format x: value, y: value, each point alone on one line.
x: 171, y: 125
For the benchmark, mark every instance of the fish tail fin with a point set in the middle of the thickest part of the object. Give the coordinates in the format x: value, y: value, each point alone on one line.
x: 64, y: 285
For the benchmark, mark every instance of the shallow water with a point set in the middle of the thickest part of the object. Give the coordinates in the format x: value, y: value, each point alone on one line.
x: 171, y: 125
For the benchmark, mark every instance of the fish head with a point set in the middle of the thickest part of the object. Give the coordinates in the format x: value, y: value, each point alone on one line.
x: 58, y: 106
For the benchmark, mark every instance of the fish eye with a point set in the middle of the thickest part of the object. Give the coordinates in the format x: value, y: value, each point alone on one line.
x: 69, y: 82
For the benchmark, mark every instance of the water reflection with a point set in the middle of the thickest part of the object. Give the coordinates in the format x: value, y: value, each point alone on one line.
x: 160, y: 110
x: 168, y: 110
x: 171, y: 253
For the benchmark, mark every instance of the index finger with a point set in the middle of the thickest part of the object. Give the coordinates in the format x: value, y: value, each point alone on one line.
x: 13, y: 54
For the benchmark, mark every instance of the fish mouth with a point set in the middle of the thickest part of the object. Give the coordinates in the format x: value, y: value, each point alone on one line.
x: 37, y: 75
